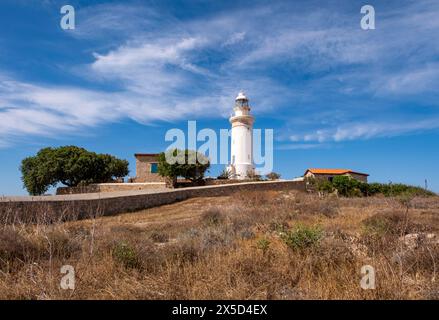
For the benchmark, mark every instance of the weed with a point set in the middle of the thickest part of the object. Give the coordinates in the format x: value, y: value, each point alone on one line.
x: 302, y: 237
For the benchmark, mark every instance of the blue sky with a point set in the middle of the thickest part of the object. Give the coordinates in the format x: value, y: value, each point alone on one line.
x: 335, y: 95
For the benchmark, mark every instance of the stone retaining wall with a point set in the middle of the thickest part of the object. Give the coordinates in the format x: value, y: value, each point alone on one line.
x: 69, y: 207
x: 110, y: 187
x: 133, y: 186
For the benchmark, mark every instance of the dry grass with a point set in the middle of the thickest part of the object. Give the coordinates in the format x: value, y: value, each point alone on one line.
x: 260, y: 246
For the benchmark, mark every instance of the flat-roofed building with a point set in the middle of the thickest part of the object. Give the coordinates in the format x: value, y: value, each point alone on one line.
x: 329, y: 174
x: 147, y: 167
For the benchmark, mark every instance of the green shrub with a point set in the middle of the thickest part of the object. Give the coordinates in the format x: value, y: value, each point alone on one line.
x: 324, y: 186
x: 273, y: 176
x: 263, y: 244
x: 349, y: 187
x: 224, y: 175
x: 302, y: 237
x: 252, y: 175
x: 126, y: 255
x: 346, y: 186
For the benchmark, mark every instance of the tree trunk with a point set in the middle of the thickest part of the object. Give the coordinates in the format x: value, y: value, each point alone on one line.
x: 171, y: 182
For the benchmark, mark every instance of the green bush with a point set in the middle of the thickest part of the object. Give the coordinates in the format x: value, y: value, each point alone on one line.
x: 349, y: 187
x: 252, y: 175
x: 126, y: 255
x: 263, y: 244
x: 346, y: 186
x: 302, y: 237
x: 325, y: 186
x: 273, y: 176
x: 224, y: 175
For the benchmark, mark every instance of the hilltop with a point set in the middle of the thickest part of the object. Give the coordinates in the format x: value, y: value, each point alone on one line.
x: 253, y: 245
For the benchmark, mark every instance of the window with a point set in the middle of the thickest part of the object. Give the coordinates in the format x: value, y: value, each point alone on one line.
x: 154, y: 167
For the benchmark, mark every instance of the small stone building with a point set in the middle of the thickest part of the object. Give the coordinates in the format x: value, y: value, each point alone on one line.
x: 329, y: 174
x: 147, y: 168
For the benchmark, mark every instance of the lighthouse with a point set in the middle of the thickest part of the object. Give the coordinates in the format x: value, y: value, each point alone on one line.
x: 241, y: 162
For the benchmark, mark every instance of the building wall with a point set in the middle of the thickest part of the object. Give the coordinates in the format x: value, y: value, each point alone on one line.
x: 143, y: 169
x: 358, y: 177
x: 79, y: 206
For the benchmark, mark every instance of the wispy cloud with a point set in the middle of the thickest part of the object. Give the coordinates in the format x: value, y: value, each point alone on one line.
x: 114, y: 20
x: 302, y: 146
x: 308, y: 67
x: 422, y: 79
x: 234, y: 39
x: 355, y: 131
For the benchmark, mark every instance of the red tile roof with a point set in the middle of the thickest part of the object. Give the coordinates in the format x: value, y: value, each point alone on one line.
x: 333, y: 171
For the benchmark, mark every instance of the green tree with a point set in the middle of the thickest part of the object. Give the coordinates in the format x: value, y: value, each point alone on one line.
x: 71, y: 166
x: 188, y: 164
x: 346, y: 186
x: 324, y: 186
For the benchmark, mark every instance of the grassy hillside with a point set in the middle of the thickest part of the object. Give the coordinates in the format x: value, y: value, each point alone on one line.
x: 271, y: 245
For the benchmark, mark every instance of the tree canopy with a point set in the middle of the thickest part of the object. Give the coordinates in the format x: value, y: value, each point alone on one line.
x: 178, y: 163
x: 71, y: 166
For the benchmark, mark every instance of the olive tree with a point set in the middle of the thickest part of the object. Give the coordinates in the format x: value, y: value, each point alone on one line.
x: 71, y: 166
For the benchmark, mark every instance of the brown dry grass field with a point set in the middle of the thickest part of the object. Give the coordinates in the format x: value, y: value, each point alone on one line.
x: 258, y: 245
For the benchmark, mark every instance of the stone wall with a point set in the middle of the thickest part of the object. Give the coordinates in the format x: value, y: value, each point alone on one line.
x: 359, y: 177
x: 134, y: 186
x: 110, y: 187
x: 79, y: 206
x: 216, y: 182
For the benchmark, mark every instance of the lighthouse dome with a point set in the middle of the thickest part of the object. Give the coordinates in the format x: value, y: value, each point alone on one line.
x: 241, y: 96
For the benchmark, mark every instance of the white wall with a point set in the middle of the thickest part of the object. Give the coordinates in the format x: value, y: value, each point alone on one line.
x: 242, y: 149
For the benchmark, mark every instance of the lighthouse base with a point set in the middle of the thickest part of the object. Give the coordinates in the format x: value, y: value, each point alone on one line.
x: 241, y: 171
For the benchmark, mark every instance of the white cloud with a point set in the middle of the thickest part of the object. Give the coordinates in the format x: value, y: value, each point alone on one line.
x: 111, y: 20
x: 367, y: 130
x: 423, y: 79
x: 234, y: 39
x: 145, y: 54
x: 302, y: 146
x: 165, y: 69
x: 41, y: 110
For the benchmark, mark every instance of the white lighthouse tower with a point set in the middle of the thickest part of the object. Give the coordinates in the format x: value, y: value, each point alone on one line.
x: 242, y: 139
